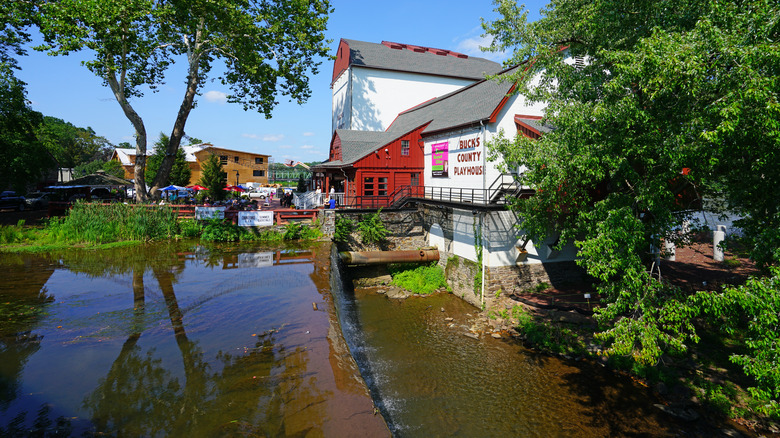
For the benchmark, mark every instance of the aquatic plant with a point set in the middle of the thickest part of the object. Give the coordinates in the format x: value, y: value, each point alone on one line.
x: 100, y: 223
x: 15, y: 233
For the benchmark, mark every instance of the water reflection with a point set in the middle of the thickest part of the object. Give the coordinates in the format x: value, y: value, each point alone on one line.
x: 253, y: 358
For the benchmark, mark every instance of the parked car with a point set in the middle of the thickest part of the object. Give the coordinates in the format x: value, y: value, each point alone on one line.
x: 38, y: 200
x: 9, y: 199
x: 261, y: 192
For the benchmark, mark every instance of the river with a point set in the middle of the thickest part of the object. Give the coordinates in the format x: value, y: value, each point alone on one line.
x: 184, y: 339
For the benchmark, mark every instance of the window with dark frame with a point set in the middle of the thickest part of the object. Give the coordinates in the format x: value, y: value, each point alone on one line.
x: 258, y: 160
x: 223, y: 159
x: 368, y: 186
x: 405, y: 147
x: 258, y: 173
x: 415, y: 180
x: 381, y: 187
x: 235, y: 159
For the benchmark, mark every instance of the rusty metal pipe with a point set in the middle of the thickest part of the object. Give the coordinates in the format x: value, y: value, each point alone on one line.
x: 384, y: 257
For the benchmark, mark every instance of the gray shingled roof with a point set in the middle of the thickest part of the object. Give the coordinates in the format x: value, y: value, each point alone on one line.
x: 536, y: 124
x: 466, y: 106
x: 373, y: 55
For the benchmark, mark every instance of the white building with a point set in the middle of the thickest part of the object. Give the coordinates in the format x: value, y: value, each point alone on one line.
x: 372, y: 83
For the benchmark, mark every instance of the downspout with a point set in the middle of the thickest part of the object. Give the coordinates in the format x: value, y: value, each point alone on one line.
x: 481, y: 215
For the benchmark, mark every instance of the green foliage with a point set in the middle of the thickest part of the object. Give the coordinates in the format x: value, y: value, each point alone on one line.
x: 344, y: 228
x: 372, y: 229
x: 671, y: 104
x: 758, y: 302
x: 180, y: 172
x: 190, y: 228
x: 265, y: 49
x: 71, y: 145
x: 547, y: 336
x: 213, y: 178
x: 99, y: 223
x: 14, y: 233
x: 23, y: 160
x: 424, y: 279
x: 218, y: 230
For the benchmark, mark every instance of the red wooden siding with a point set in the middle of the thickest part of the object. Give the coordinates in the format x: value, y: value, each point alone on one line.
x: 342, y: 60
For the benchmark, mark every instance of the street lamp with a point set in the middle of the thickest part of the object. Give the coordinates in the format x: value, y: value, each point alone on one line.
x: 236, y: 177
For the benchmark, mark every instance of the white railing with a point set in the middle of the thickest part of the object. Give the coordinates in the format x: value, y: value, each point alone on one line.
x: 311, y: 200
x: 308, y: 200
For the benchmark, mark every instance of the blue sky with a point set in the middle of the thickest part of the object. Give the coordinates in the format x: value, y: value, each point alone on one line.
x: 61, y: 87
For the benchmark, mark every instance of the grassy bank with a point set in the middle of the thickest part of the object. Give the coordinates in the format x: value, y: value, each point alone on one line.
x: 102, y: 226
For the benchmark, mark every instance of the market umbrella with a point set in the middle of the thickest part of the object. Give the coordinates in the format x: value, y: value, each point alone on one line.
x: 172, y: 188
x: 197, y: 187
x: 234, y: 189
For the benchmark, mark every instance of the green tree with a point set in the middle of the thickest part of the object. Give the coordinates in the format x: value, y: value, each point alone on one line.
x: 671, y: 103
x: 180, y: 172
x: 71, y: 145
x: 267, y: 48
x: 213, y: 177
x: 301, y: 184
x: 23, y: 160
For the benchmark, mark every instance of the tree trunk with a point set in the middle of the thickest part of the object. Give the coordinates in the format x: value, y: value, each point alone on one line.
x: 193, y: 80
x: 140, y: 136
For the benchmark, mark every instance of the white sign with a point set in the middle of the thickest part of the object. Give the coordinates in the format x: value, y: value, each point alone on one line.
x: 203, y: 213
x: 255, y: 260
x: 255, y: 218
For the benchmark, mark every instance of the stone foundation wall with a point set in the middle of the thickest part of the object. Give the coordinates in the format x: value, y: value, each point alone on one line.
x: 518, y: 279
x: 460, y: 274
x: 405, y: 231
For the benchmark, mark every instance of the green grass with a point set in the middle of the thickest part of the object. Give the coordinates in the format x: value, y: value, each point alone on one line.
x: 423, y: 279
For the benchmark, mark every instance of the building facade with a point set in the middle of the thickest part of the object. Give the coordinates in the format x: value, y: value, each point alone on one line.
x: 241, y: 167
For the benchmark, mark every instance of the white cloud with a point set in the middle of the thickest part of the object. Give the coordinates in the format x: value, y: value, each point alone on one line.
x: 215, y: 96
x: 470, y: 45
x: 307, y: 146
x: 273, y: 137
x: 286, y: 146
x: 254, y: 136
x: 308, y: 134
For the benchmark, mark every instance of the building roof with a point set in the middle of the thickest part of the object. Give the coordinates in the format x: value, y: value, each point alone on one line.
x: 97, y: 179
x: 418, y: 59
x: 126, y: 156
x: 467, y: 106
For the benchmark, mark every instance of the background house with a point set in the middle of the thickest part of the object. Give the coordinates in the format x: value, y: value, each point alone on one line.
x: 241, y: 167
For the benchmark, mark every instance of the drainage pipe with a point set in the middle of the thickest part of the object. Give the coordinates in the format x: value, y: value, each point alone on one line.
x: 384, y: 257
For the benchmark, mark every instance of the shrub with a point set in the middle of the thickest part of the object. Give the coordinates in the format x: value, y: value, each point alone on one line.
x: 344, y: 228
x: 372, y: 229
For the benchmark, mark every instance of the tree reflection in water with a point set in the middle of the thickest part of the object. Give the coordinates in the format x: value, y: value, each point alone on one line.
x: 264, y: 391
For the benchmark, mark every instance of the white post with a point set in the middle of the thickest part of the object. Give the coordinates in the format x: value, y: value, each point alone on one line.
x: 670, y: 250
x: 717, y: 237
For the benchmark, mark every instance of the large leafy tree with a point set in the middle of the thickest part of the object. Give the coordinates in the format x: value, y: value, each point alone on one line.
x: 180, y: 172
x: 675, y: 100
x: 23, y: 160
x: 267, y: 47
x: 71, y: 145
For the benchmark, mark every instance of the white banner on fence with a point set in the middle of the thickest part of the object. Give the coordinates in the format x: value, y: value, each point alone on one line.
x: 203, y: 213
x: 255, y: 260
x: 255, y: 218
